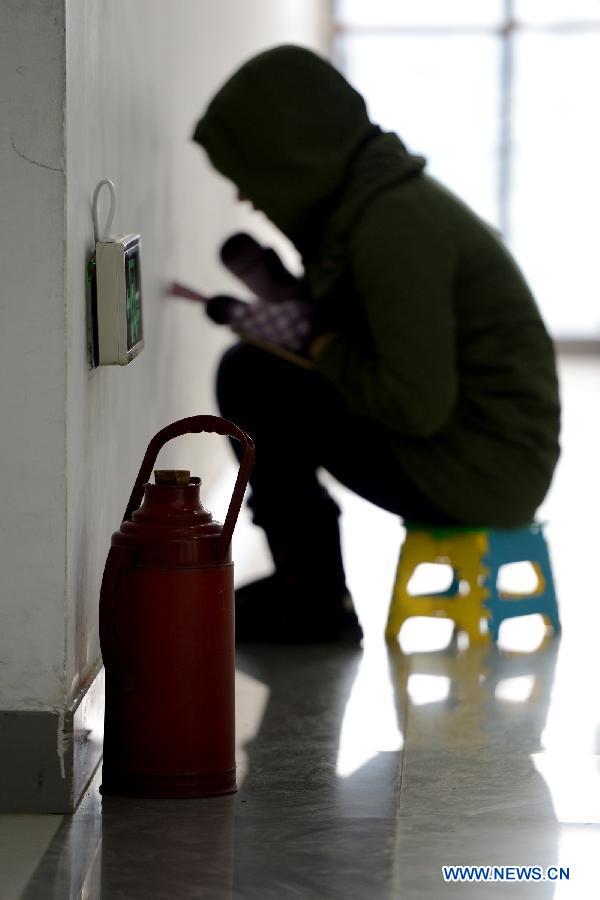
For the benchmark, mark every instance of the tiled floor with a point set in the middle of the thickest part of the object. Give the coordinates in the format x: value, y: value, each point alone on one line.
x: 363, y: 772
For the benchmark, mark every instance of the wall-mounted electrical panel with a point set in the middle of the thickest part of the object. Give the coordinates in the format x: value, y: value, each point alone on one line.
x: 118, y: 300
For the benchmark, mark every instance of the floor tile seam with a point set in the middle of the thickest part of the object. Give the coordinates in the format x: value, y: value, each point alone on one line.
x: 404, y: 706
x: 496, y: 750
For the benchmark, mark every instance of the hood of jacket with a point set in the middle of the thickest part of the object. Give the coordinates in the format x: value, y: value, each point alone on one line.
x: 284, y: 128
x: 295, y: 138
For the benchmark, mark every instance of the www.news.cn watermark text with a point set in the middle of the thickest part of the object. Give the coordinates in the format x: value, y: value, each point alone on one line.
x: 506, y: 873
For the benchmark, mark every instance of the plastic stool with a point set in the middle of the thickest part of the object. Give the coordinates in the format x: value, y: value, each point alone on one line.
x: 476, y: 556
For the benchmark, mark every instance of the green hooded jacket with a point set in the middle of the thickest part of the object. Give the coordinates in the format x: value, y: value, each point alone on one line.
x: 438, y: 338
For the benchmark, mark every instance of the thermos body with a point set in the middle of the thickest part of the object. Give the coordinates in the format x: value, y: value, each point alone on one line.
x: 167, y: 637
x: 171, y: 710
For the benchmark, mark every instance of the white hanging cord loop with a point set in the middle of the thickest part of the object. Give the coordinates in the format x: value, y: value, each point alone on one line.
x: 111, y: 212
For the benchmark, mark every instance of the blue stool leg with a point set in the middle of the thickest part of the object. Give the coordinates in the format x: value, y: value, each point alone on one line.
x: 520, y: 545
x: 551, y: 604
x: 493, y: 602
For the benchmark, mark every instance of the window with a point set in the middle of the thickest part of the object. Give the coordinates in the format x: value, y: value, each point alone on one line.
x: 501, y: 97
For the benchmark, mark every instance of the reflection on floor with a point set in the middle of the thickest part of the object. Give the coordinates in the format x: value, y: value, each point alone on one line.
x: 363, y: 772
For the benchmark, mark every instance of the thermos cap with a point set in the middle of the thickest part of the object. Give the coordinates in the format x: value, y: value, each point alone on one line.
x: 172, y: 476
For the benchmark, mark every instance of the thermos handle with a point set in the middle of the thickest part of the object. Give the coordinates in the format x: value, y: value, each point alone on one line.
x: 197, y: 425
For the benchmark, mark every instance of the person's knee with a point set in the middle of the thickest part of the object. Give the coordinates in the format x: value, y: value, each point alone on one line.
x: 232, y: 373
x: 252, y: 384
x: 244, y: 382
x: 233, y: 358
x: 247, y: 371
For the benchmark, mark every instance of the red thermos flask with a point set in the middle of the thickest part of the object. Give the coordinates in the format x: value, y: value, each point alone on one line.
x: 167, y: 633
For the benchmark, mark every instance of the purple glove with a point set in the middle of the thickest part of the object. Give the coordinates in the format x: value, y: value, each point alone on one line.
x: 288, y: 323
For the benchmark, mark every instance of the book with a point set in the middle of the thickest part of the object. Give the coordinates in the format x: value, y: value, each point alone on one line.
x: 176, y: 289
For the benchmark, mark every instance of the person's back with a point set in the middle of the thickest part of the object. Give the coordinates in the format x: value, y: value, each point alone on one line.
x: 471, y: 387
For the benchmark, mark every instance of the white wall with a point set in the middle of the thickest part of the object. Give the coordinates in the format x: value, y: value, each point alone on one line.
x: 138, y: 75
x: 32, y: 353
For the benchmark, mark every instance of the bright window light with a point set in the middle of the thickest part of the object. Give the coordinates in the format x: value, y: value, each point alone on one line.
x: 499, y: 96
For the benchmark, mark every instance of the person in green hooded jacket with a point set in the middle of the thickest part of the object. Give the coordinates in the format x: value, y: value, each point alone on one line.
x: 433, y: 391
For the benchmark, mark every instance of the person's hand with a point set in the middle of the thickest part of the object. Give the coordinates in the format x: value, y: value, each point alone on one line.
x: 288, y: 324
x: 260, y: 269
